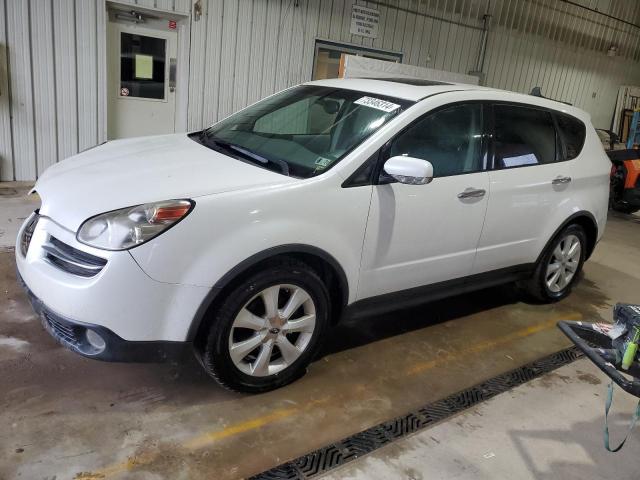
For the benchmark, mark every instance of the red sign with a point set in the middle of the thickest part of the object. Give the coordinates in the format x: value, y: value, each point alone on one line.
x: 172, y: 24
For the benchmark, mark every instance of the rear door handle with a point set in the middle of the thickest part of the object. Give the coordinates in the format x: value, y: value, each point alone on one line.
x: 561, y: 180
x: 472, y: 193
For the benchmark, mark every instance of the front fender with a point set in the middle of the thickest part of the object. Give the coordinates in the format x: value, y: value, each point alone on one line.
x: 226, y: 229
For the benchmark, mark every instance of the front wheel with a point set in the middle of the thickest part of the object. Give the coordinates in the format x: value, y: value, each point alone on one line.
x: 559, y: 266
x: 268, y: 329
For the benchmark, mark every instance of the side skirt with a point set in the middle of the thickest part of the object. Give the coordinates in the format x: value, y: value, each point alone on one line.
x: 436, y: 291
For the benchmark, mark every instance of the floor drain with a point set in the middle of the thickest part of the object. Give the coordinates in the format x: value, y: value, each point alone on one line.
x: 350, y: 448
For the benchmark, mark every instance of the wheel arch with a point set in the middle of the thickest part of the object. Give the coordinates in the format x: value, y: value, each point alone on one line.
x: 587, y: 221
x: 321, y: 261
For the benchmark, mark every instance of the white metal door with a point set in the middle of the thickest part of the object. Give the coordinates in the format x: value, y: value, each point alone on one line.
x: 141, y: 81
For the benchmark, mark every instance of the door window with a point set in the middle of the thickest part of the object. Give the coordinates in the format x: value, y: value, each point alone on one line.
x: 142, y: 66
x: 451, y: 139
x: 523, y: 136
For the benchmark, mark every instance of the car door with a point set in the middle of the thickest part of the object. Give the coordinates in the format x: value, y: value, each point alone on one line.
x: 529, y: 184
x: 424, y: 234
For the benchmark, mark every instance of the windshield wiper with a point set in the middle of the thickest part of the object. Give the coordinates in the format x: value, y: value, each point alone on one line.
x: 284, y: 166
x: 247, y: 154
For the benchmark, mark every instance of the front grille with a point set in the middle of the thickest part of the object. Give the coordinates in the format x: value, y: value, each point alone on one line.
x: 72, y: 260
x: 63, y: 331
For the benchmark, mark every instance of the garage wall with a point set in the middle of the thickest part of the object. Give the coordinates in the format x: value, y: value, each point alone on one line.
x: 52, y: 80
x: 48, y: 91
x: 562, y: 48
x: 546, y: 43
x: 52, y: 57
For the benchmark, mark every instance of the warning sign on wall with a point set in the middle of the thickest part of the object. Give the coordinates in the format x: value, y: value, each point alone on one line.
x: 364, y: 21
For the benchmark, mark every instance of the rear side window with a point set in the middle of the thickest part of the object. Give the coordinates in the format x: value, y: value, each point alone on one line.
x: 523, y: 136
x: 573, y: 132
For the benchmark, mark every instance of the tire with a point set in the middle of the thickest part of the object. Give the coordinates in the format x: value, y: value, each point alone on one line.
x: 242, y: 320
x: 541, y: 286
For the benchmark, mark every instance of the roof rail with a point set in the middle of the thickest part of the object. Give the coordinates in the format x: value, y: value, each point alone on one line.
x: 537, y: 92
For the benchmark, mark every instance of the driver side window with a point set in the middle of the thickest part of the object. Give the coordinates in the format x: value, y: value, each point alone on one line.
x: 451, y: 139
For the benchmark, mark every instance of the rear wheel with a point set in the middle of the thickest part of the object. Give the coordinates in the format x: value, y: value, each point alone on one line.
x: 268, y: 329
x: 560, y: 265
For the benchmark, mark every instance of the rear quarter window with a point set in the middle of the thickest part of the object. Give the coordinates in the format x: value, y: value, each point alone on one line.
x: 572, y: 132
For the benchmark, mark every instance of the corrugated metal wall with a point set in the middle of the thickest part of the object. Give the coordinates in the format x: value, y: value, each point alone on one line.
x: 52, y: 79
x: 546, y: 43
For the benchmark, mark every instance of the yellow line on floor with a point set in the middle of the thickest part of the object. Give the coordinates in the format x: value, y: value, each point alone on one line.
x: 489, y: 344
x: 207, y: 438
x: 203, y: 440
x: 210, y: 437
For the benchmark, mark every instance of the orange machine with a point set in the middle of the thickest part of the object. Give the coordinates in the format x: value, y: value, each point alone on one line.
x: 625, y: 180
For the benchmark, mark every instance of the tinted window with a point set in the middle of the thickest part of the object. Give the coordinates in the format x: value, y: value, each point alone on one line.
x: 523, y: 136
x: 573, y: 132
x: 302, y: 131
x: 451, y: 139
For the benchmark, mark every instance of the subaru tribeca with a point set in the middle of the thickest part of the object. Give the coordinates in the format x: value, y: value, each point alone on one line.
x: 249, y: 239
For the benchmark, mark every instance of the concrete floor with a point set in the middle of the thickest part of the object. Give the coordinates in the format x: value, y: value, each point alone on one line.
x: 66, y: 417
x: 506, y: 438
x: 15, y: 206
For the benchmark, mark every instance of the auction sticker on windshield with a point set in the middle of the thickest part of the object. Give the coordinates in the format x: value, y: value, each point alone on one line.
x: 377, y: 104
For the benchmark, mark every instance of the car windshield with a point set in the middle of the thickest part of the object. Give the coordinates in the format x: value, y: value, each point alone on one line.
x: 302, y: 131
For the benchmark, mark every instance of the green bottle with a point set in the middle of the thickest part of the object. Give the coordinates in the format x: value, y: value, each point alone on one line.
x: 631, y: 350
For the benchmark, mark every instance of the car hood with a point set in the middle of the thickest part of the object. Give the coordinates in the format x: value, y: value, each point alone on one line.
x: 123, y: 173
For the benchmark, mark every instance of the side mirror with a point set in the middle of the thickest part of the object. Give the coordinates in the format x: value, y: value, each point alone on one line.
x: 409, y: 170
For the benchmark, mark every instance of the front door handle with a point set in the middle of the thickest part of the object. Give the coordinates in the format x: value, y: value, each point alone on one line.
x: 560, y: 180
x: 472, y: 193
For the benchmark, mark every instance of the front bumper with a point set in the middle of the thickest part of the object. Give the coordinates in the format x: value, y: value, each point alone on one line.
x: 117, y: 296
x: 73, y: 335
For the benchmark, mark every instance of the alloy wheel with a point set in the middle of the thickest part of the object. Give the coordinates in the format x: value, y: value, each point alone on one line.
x: 272, y: 330
x: 563, y: 264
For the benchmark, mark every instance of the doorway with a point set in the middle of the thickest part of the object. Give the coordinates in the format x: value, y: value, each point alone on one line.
x: 141, y: 75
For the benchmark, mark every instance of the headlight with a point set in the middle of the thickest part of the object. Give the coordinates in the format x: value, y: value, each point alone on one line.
x: 128, y: 227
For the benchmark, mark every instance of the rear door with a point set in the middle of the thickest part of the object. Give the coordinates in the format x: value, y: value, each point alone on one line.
x: 529, y: 182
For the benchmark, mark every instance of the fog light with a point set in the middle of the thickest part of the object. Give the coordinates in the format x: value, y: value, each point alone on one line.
x: 95, y: 340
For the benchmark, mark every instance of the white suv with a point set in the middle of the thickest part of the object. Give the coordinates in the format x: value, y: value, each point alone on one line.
x: 249, y: 239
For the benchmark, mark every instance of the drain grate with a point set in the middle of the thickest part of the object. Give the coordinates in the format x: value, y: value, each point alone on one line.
x: 350, y: 448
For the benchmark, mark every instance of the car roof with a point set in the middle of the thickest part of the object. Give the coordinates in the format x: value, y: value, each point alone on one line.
x: 417, y: 89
